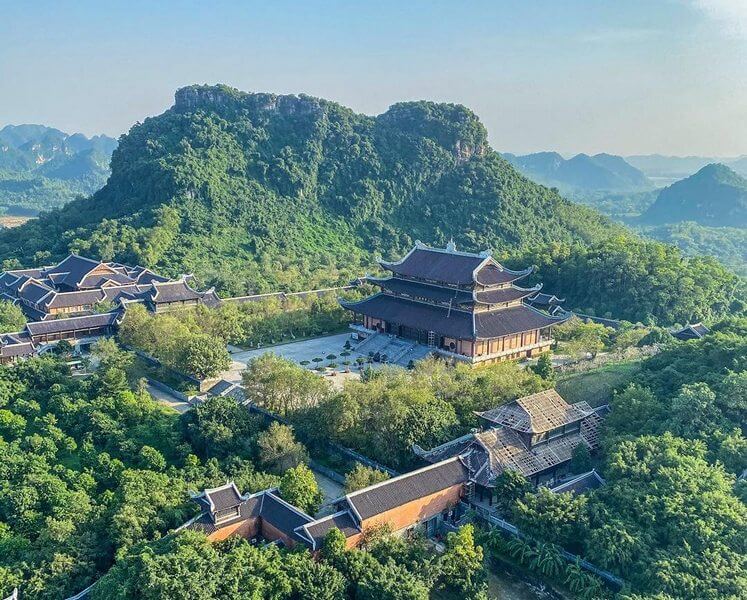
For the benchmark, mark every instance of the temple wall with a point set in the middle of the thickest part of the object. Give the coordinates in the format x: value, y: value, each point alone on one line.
x: 270, y: 532
x: 417, y: 511
x: 246, y: 529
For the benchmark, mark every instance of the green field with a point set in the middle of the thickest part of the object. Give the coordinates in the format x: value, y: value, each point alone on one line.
x: 596, y: 386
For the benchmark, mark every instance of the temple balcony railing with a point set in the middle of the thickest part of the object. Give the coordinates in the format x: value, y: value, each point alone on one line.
x: 482, y: 357
x: 358, y: 328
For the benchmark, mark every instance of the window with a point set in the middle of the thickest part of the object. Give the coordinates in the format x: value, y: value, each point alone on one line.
x: 224, y: 515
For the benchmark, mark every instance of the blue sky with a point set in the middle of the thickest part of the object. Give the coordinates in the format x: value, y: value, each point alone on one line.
x: 622, y: 76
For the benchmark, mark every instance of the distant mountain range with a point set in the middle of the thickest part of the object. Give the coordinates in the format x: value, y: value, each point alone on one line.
x: 42, y: 167
x: 715, y: 196
x: 581, y: 174
x: 664, y: 170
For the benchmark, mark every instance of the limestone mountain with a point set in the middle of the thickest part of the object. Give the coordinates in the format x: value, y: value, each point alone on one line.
x: 715, y: 196
x: 582, y: 173
x: 256, y: 191
x: 43, y: 168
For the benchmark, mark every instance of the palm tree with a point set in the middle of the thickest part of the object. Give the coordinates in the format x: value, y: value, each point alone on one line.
x: 575, y: 578
x: 550, y: 561
x: 521, y: 550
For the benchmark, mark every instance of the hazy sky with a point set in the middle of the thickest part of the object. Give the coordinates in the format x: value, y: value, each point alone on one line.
x: 622, y: 76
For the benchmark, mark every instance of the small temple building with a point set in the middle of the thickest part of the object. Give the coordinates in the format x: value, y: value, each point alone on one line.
x: 535, y: 435
x: 78, y: 286
x: 422, y: 498
x: 466, y: 307
x: 693, y: 331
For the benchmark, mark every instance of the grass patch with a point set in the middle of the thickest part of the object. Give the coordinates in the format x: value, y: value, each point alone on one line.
x: 596, y: 386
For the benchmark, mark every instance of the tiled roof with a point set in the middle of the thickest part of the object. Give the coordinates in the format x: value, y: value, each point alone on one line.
x: 12, y: 347
x: 223, y: 497
x: 173, y: 291
x: 428, y: 317
x: 580, y: 484
x: 34, y: 292
x: 511, y: 320
x: 283, y: 516
x: 68, y: 299
x: 75, y: 269
x: 537, y: 413
x: 540, y: 299
x: 95, y: 281
x: 691, y: 331
x: 381, y: 497
x: 451, y: 322
x: 220, y: 387
x: 72, y: 324
x: 494, y: 273
x: 36, y: 273
x: 343, y: 520
x: 507, y: 294
x: 435, y: 264
x: 415, y: 289
x: 488, y: 453
x: 248, y: 509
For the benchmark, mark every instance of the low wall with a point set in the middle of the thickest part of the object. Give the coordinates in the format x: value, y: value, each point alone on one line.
x: 169, y: 390
x: 286, y: 295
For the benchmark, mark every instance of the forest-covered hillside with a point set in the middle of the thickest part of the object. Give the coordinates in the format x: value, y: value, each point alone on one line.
x: 715, y: 196
x: 258, y: 192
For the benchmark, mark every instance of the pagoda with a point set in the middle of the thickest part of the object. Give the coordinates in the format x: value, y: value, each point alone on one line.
x: 465, y: 306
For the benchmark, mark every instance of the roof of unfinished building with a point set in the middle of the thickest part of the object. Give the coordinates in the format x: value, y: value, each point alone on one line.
x: 537, y: 413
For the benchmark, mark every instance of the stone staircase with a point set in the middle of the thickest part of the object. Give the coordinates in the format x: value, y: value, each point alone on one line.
x: 397, y: 350
x: 373, y: 343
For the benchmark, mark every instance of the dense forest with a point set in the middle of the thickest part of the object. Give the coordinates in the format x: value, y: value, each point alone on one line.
x: 95, y: 473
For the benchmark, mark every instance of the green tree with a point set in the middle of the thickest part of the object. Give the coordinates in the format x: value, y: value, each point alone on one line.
x: 204, y: 356
x: 278, y: 450
x: 543, y: 368
x: 281, y: 386
x: 299, y: 487
x: 510, y: 486
x: 581, y: 461
x: 462, y: 563
x: 556, y: 518
x: 219, y: 427
x: 11, y: 317
x: 362, y: 476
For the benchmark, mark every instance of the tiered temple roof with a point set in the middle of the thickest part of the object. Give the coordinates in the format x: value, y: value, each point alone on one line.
x: 457, y: 294
x: 506, y: 446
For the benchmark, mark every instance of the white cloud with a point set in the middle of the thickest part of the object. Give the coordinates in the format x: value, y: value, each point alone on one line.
x: 732, y: 14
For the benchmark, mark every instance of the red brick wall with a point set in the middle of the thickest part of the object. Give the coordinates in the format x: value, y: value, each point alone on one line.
x: 272, y: 533
x: 246, y: 529
x: 417, y: 511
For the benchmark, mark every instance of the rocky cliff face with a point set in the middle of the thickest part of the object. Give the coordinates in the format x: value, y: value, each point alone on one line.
x: 191, y: 98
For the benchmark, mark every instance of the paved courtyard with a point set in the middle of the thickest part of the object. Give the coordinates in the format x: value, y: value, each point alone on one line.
x: 297, y: 352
